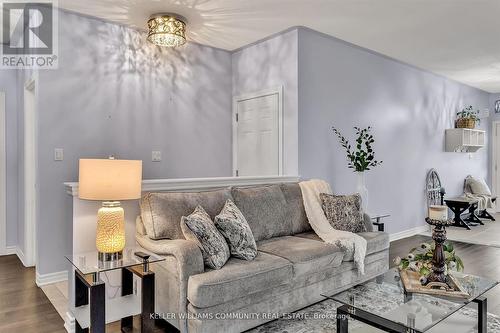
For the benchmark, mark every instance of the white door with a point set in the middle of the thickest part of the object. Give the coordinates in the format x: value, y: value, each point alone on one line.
x: 258, y: 123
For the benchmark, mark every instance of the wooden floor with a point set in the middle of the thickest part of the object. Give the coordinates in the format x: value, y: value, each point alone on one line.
x: 25, y: 308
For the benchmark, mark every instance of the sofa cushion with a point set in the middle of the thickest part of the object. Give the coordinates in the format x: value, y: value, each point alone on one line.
x: 161, y: 212
x: 307, y: 255
x: 238, y: 278
x: 295, y: 211
x: 265, y: 209
x: 376, y: 241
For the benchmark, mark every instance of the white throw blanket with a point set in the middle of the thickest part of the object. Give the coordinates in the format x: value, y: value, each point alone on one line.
x: 347, y: 241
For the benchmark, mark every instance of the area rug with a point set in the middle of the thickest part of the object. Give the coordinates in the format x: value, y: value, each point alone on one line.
x: 320, y: 317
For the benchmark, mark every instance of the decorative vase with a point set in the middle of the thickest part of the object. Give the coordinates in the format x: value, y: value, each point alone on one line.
x: 362, y: 190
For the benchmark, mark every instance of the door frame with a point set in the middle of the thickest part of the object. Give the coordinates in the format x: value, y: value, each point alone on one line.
x: 3, y: 175
x: 494, y: 158
x: 271, y: 91
x: 30, y: 169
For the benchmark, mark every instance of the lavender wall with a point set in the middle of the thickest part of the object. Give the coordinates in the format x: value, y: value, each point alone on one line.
x: 268, y: 64
x: 114, y: 93
x: 344, y: 86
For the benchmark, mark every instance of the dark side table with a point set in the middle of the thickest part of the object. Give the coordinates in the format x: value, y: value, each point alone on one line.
x: 460, y: 205
x: 93, y: 311
x: 376, y: 220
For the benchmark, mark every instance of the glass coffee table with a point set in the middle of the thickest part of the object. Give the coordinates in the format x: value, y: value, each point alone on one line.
x: 384, y: 304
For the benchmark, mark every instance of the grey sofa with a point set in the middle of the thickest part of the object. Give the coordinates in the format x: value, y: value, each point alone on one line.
x: 292, y: 269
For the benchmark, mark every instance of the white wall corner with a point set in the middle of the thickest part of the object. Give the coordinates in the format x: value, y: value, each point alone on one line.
x: 45, y: 279
x: 408, y: 233
x: 20, y: 255
x: 69, y: 322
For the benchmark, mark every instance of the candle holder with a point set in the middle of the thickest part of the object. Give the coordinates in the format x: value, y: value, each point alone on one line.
x: 437, y: 277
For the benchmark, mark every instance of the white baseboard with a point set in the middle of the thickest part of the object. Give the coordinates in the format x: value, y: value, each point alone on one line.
x: 69, y: 323
x: 408, y: 233
x: 20, y: 255
x: 45, y: 279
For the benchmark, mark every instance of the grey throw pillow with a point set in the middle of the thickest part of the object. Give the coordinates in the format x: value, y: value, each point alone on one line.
x: 199, y: 228
x: 234, y: 227
x: 343, y: 211
x: 478, y: 186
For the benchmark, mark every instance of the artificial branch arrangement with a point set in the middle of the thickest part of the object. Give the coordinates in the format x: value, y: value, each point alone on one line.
x: 419, y: 260
x: 362, y: 158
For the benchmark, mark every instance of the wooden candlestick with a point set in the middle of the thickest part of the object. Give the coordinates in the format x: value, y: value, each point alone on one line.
x: 437, y: 276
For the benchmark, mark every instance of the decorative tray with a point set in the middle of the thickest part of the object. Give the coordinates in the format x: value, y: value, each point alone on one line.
x: 412, y: 284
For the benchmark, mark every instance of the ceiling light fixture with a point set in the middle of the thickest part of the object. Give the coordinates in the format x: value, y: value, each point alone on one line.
x: 167, y: 30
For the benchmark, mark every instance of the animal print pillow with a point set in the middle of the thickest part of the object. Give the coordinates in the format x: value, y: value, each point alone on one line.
x: 343, y: 211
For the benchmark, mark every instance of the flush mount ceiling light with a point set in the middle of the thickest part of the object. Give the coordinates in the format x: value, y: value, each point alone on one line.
x: 167, y: 30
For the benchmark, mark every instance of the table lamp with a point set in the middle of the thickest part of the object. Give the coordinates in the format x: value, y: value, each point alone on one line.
x: 109, y: 181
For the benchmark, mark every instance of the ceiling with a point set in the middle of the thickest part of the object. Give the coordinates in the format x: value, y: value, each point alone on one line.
x: 458, y: 39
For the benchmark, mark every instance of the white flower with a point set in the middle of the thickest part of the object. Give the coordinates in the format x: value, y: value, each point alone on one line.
x: 413, y: 266
x: 452, y: 266
x: 425, y: 246
x: 410, y: 256
x: 397, y: 261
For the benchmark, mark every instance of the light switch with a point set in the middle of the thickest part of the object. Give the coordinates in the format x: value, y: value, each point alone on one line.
x: 58, y: 154
x: 156, y: 156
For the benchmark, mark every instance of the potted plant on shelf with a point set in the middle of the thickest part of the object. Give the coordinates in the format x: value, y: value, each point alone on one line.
x: 361, y: 158
x: 467, y: 118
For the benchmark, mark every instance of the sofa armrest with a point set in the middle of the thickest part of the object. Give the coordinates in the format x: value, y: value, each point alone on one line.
x: 183, y: 259
x: 186, y: 253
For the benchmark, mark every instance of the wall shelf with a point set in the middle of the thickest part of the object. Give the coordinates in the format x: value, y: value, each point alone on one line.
x: 464, y: 140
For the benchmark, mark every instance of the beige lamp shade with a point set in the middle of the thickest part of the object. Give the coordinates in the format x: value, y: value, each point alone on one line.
x: 109, y: 180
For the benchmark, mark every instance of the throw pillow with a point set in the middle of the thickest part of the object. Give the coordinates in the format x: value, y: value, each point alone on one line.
x: 478, y: 186
x: 234, y: 227
x: 343, y: 211
x: 199, y: 228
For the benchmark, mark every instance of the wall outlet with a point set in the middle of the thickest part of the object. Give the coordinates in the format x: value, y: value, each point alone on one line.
x: 58, y: 154
x: 156, y: 156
